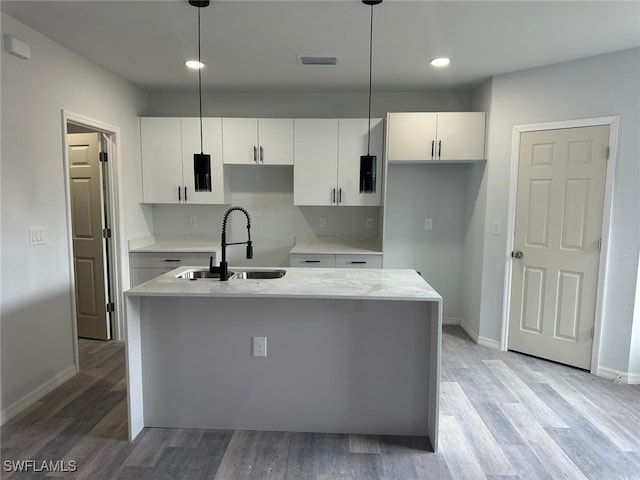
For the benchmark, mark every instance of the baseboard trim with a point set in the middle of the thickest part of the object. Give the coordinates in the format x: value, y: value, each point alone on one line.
x: 618, y: 377
x: 37, y: 393
x: 451, y: 320
x: 489, y: 343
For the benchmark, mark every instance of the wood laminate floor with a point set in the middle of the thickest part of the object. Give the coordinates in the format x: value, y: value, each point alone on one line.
x: 502, y: 416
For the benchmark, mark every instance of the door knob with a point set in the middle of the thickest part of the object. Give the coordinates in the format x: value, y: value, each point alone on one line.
x: 517, y: 254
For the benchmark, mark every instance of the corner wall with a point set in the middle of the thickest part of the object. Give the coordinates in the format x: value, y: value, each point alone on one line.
x: 36, y: 323
x: 593, y: 87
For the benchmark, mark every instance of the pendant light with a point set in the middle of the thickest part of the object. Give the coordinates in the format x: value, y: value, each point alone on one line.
x: 201, y: 161
x: 368, y: 162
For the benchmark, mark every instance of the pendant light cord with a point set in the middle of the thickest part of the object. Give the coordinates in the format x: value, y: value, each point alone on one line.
x: 200, y: 83
x: 370, y: 63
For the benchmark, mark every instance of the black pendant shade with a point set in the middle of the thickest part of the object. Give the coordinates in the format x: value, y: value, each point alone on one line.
x: 201, y: 161
x: 368, y: 162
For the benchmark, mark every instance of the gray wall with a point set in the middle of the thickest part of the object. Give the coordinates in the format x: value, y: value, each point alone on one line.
x: 592, y: 87
x: 36, y: 323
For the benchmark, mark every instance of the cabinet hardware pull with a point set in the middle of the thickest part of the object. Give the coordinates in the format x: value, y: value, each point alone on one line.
x: 433, y: 147
x: 311, y: 261
x: 255, y: 155
x: 261, y: 154
x: 171, y: 260
x: 358, y: 263
x: 185, y: 194
x: 339, y: 195
x: 333, y: 196
x: 179, y: 195
x: 439, y: 148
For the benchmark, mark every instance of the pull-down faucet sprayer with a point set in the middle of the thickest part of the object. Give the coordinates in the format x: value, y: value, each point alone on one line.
x: 223, y: 269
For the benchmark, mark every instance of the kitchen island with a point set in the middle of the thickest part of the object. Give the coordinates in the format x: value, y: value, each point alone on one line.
x: 349, y: 351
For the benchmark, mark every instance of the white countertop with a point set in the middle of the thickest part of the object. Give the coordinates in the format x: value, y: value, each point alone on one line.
x: 336, y: 246
x: 175, y: 244
x: 339, y: 283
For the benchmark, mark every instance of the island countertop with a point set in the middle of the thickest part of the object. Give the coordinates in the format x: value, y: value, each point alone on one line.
x: 338, y: 283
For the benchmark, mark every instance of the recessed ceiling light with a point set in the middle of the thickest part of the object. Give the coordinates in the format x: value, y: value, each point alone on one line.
x: 440, y: 62
x: 194, y: 64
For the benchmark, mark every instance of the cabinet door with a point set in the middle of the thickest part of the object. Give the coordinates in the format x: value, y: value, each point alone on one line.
x: 312, y: 260
x: 315, y: 169
x: 161, y: 152
x: 460, y: 136
x: 275, y: 139
x: 358, y: 261
x: 410, y: 136
x: 212, y: 142
x: 240, y: 141
x: 352, y: 143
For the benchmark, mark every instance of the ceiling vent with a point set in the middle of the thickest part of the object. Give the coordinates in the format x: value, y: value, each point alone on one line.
x: 316, y: 60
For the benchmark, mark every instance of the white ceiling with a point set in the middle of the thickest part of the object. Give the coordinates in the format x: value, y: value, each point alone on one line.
x: 253, y: 45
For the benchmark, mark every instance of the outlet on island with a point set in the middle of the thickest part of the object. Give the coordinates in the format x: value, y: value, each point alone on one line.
x: 259, y: 348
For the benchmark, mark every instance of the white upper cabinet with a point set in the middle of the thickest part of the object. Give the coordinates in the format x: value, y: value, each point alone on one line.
x: 352, y: 143
x: 429, y: 136
x: 251, y: 141
x: 327, y: 161
x: 168, y: 145
x: 212, y: 143
x: 315, y: 171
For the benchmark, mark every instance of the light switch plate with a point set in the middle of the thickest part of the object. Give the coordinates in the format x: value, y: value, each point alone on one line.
x: 37, y: 236
x: 496, y: 227
x: 370, y: 223
x: 323, y: 222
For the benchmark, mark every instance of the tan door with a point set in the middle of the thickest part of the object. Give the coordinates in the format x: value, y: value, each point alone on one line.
x: 559, y: 207
x: 87, y: 224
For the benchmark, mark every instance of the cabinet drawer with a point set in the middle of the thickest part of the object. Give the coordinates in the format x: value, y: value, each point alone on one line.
x: 312, y: 260
x: 169, y: 260
x: 359, y: 261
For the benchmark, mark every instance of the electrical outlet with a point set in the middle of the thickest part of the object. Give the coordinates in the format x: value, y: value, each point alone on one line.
x: 428, y: 223
x: 259, y: 346
x: 193, y: 221
x: 496, y: 228
x: 323, y: 222
x: 370, y: 223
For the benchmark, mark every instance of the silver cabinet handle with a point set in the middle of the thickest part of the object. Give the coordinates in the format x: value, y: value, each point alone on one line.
x: 439, y: 148
x: 255, y: 155
x: 261, y: 154
x: 517, y: 254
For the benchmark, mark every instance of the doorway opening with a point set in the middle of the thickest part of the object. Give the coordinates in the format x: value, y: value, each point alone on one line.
x: 558, y: 231
x: 90, y: 154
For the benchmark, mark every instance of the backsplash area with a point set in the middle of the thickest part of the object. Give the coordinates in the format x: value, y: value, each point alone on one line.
x: 267, y: 193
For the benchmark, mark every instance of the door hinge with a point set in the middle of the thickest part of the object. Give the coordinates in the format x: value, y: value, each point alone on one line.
x: 104, y: 157
x: 607, y: 153
x: 111, y: 307
x: 106, y: 233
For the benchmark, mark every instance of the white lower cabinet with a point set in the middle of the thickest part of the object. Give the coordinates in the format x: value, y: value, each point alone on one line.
x: 147, y: 265
x: 330, y: 260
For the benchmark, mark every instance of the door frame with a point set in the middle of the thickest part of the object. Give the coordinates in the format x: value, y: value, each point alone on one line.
x: 613, y: 123
x: 112, y: 198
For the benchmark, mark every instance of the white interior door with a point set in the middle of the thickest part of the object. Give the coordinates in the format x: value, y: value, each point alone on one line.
x: 87, y: 224
x: 560, y: 198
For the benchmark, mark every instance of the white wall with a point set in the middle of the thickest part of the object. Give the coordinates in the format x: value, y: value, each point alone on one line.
x: 37, y: 343
x: 634, y: 354
x: 268, y: 192
x: 592, y: 87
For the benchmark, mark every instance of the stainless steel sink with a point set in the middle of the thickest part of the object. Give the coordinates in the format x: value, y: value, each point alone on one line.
x: 244, y: 275
x: 196, y: 274
x: 258, y: 274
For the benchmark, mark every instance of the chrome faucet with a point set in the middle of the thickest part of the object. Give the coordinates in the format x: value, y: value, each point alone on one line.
x: 222, y: 269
